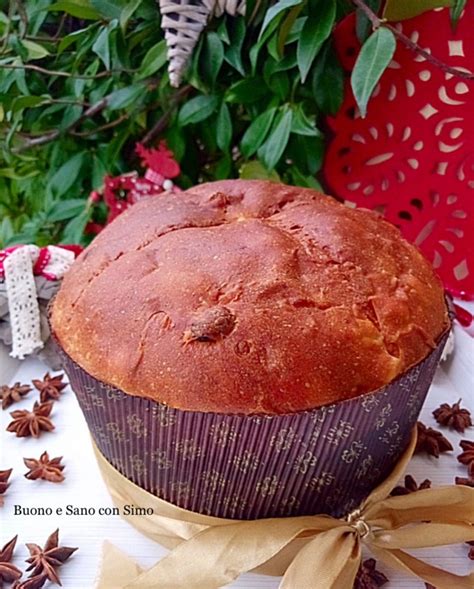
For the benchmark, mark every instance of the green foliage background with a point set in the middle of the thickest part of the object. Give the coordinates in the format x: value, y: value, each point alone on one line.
x: 242, y: 109
x: 81, y: 81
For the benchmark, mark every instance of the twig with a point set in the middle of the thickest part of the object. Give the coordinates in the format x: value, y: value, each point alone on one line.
x: 52, y: 135
x: 105, y: 127
x: 41, y: 70
x: 161, y: 123
x: 23, y: 17
x: 378, y: 22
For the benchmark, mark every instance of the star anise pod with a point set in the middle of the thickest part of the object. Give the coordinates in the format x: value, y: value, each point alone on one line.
x: 13, y: 394
x: 368, y: 577
x: 453, y: 416
x: 50, y: 387
x: 4, y: 476
x: 467, y: 457
x: 467, y: 481
x: 35, y: 582
x: 431, y: 441
x: 31, y: 423
x: 8, y: 571
x: 45, y: 560
x: 410, y: 486
x: 46, y: 468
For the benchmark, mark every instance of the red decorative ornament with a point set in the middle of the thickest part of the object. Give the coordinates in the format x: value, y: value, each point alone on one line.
x: 119, y: 192
x: 412, y: 157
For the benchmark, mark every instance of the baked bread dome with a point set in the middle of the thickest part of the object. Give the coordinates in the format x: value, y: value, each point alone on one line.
x: 248, y: 297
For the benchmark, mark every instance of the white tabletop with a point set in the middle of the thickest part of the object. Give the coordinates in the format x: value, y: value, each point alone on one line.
x: 83, y: 486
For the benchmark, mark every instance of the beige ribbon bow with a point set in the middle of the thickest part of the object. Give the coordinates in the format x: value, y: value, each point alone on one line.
x: 312, y: 552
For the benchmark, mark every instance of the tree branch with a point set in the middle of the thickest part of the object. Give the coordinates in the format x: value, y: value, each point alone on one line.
x: 161, y: 123
x: 104, y: 127
x: 52, y: 135
x: 378, y: 22
x: 41, y: 70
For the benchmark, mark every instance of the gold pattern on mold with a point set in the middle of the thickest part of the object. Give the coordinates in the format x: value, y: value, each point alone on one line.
x: 115, y: 431
x: 304, y: 462
x: 268, y: 486
x: 223, y: 433
x: 136, y: 425
x: 160, y: 458
x: 354, y: 452
x: 325, y: 479
x: 188, y: 449
x: 246, y: 461
x: 164, y: 415
x: 283, y: 440
x: 339, y: 432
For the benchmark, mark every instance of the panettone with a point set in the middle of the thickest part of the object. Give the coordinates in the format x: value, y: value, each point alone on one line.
x: 248, y: 297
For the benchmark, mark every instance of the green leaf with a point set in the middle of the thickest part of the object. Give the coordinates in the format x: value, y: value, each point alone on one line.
x: 154, y: 60
x: 403, y: 9
x: 15, y: 43
x: 35, y: 50
x: 233, y: 54
x: 315, y: 31
x: 280, y: 85
x: 272, y: 150
x: 300, y: 179
x: 77, y: 8
x: 286, y: 27
x: 374, y: 57
x: 456, y: 11
x: 222, y: 169
x: 197, y: 109
x: 363, y: 24
x: 108, y: 8
x: 99, y: 170
x: 67, y: 174
x: 127, y: 12
x: 125, y: 96
x: 257, y: 132
x: 274, y: 11
x: 295, y: 32
x: 212, y: 56
x: 224, y: 127
x: 72, y: 38
x: 65, y: 209
x: 328, y: 81
x: 246, y: 91
x: 74, y: 230
x: 256, y: 47
x: 255, y: 170
x: 101, y: 46
x: 303, y: 125
x: 29, y: 102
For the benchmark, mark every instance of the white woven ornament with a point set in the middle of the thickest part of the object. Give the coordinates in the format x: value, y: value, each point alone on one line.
x: 183, y: 22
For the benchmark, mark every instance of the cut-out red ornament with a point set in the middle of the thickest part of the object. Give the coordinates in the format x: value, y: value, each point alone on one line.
x: 119, y: 192
x: 412, y: 157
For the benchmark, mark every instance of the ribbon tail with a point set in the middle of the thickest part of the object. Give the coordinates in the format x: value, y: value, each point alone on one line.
x: 329, y: 561
x: 112, y: 576
x: 409, y: 564
x: 219, y: 555
x: 423, y: 536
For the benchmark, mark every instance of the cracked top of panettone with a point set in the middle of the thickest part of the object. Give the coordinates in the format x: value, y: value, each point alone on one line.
x: 248, y: 297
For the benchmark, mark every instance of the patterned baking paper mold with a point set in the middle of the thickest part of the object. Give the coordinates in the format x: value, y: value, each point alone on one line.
x: 325, y: 460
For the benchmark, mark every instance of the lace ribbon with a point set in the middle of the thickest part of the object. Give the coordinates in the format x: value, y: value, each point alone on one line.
x: 320, y: 552
x: 19, y: 267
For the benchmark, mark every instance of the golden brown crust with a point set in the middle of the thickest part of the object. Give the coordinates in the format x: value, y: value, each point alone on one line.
x: 248, y: 297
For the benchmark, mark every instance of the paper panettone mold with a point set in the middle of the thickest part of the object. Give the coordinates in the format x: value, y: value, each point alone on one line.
x: 325, y: 460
